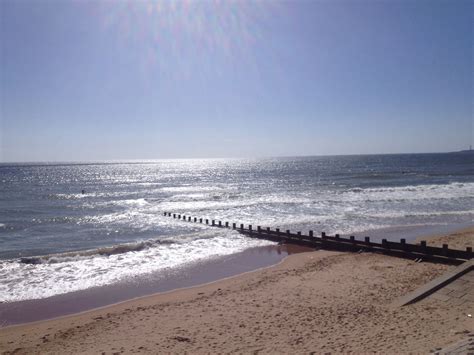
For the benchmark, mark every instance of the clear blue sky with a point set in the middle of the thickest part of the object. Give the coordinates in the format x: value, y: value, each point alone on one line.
x: 97, y: 80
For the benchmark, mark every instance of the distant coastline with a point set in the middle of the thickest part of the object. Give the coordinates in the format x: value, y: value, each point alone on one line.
x: 466, y: 151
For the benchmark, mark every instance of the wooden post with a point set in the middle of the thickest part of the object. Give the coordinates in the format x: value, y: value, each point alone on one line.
x: 268, y: 229
x: 164, y: 214
x: 227, y: 224
x: 336, y: 236
x: 189, y: 219
x: 384, y: 243
x: 288, y: 232
x: 323, y: 235
x: 277, y: 231
x: 250, y: 227
x: 241, y: 226
x: 195, y: 219
x: 311, y: 234
x: 200, y: 220
x: 233, y: 225
x: 179, y: 216
x: 445, y: 249
x: 184, y: 218
x: 220, y: 224
x: 207, y: 221
x: 423, y: 243
x: 367, y: 240
x: 403, y: 241
x: 469, y: 249
x: 299, y: 234
x: 352, y: 238
x: 259, y: 229
x: 174, y: 215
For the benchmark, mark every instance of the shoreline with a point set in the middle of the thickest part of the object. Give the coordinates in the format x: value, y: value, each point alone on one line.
x: 195, y: 274
x: 416, y: 233
x: 310, y: 291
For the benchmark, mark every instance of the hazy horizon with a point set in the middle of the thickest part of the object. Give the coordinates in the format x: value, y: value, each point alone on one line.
x: 101, y: 81
x: 151, y: 160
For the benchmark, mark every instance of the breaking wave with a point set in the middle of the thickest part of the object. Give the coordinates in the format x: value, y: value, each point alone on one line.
x: 87, y: 254
x: 69, y: 272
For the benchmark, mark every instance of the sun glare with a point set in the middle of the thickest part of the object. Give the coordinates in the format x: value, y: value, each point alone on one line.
x: 184, y: 30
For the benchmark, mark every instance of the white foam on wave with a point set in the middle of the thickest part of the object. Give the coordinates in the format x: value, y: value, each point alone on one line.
x: 327, y: 202
x: 189, y: 197
x: 136, y: 202
x: 212, y: 204
x: 88, y: 195
x: 191, y: 188
x: 24, y: 281
x: 335, y: 211
x: 288, y: 220
x: 418, y: 192
x: 143, y: 218
x: 401, y: 214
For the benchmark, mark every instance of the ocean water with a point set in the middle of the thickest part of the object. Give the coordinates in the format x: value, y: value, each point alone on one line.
x: 54, y: 239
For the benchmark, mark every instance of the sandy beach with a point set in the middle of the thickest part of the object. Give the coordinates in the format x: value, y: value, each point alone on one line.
x: 310, y: 302
x: 243, y: 176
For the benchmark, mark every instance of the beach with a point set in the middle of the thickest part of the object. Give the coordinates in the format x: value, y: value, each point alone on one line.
x: 202, y: 177
x: 56, y: 241
x: 317, y: 301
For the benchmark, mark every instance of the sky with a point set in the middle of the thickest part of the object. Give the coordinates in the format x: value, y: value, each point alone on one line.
x: 107, y: 80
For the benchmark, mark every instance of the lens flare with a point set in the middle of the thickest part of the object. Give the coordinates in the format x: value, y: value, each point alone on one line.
x: 189, y: 34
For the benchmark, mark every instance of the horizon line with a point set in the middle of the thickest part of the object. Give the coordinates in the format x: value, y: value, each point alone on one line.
x: 150, y: 160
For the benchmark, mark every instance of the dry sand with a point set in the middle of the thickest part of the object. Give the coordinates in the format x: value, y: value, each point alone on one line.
x: 312, y: 302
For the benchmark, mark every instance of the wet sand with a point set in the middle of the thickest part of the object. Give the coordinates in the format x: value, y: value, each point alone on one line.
x: 311, y: 302
x: 190, y: 275
x: 458, y: 239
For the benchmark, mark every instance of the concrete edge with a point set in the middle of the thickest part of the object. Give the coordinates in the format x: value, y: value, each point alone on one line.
x: 434, y: 285
x: 460, y: 347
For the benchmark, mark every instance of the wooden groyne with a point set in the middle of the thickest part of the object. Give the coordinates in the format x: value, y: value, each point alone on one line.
x: 403, y: 249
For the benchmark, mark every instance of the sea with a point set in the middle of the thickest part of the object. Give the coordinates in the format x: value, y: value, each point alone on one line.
x: 66, y: 227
